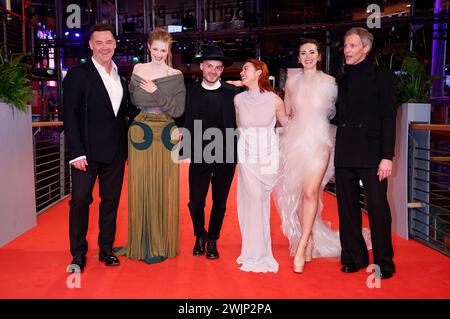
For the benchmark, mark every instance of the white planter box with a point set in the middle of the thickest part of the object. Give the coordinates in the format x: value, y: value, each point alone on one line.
x: 17, y: 188
x: 398, y: 183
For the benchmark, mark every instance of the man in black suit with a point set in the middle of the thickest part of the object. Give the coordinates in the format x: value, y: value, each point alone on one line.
x: 95, y: 111
x: 209, y: 106
x: 365, y: 140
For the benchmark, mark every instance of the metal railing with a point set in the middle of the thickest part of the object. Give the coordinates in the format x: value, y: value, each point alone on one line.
x: 331, y: 188
x: 429, y: 185
x: 52, y: 169
x: 11, y: 35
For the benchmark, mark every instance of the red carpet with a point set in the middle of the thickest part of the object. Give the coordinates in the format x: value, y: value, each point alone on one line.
x: 34, y: 265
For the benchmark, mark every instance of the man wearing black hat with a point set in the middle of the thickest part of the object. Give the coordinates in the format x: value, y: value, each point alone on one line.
x: 209, y: 113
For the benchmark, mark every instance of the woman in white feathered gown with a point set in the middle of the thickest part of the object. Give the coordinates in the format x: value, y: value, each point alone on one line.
x: 306, y: 153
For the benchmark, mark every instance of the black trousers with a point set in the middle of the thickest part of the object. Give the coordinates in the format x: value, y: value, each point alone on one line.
x: 200, y: 176
x: 350, y: 218
x: 110, y: 177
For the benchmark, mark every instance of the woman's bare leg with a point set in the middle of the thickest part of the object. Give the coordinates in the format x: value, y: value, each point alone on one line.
x: 310, y: 202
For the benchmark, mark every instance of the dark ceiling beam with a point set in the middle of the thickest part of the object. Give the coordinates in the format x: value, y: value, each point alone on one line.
x: 275, y: 30
x: 312, y: 27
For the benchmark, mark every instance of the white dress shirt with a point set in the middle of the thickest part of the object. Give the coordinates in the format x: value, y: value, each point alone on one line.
x: 215, y: 86
x: 112, y: 84
x: 113, y: 87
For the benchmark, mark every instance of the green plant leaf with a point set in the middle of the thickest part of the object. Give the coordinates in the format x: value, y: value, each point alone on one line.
x: 414, y: 82
x: 14, y: 87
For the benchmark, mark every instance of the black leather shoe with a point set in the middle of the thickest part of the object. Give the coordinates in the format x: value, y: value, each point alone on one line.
x: 78, y: 263
x: 350, y: 267
x: 109, y: 259
x: 199, y: 247
x: 211, y: 249
x: 385, y: 274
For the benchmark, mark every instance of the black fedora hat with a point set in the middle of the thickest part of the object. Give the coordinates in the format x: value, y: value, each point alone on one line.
x: 213, y: 53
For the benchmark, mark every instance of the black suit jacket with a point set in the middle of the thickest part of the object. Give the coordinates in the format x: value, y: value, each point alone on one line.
x: 366, y: 131
x: 96, y: 131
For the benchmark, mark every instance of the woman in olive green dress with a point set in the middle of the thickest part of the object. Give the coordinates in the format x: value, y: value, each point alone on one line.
x: 158, y: 90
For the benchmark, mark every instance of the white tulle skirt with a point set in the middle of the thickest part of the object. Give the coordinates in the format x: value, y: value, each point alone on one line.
x: 306, y: 149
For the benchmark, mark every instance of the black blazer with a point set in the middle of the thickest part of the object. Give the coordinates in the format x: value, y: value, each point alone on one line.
x: 365, y: 131
x: 96, y: 132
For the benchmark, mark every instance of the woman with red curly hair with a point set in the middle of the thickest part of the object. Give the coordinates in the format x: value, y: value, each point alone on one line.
x: 257, y: 111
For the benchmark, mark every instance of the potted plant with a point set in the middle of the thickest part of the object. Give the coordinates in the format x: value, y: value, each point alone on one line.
x: 414, y: 82
x: 17, y: 185
x: 14, y: 88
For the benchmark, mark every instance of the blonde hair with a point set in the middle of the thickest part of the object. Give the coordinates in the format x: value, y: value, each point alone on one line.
x: 364, y: 34
x: 159, y: 34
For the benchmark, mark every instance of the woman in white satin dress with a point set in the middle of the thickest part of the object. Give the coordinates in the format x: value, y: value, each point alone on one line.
x: 307, y: 165
x: 257, y: 111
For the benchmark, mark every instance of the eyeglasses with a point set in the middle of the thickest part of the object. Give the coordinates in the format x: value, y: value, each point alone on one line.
x: 217, y: 68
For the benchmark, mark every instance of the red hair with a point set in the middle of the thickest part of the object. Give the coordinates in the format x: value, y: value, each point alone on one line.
x: 160, y: 34
x: 263, y: 81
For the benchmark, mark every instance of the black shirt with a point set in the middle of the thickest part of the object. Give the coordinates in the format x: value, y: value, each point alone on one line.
x: 211, y: 108
x: 215, y: 109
